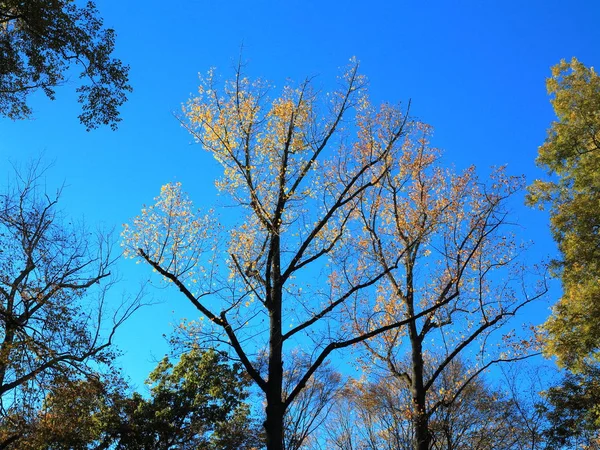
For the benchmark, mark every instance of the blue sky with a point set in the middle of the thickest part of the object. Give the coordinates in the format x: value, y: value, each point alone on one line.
x: 475, y: 70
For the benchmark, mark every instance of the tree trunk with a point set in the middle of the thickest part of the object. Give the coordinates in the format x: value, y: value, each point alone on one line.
x: 274, y: 424
x: 420, y: 418
x: 5, y: 350
x: 422, y: 436
x: 275, y: 409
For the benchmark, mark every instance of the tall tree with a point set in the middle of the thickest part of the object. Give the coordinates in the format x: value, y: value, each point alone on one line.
x: 461, y: 278
x: 295, y: 176
x: 40, y: 40
x: 308, y: 180
x: 571, y: 156
x: 53, y: 283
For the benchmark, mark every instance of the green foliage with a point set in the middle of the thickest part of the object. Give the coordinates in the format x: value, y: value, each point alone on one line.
x: 571, y: 155
x: 40, y: 40
x: 198, y: 403
x: 573, y: 410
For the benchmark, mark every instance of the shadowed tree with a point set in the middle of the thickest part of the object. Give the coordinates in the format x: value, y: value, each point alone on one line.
x: 76, y: 414
x: 573, y: 411
x: 40, y: 40
x: 53, y: 286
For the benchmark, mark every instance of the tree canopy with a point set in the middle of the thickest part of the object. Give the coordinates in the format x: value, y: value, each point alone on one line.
x: 54, y: 317
x: 197, y: 403
x: 348, y: 229
x: 571, y: 156
x: 573, y: 410
x: 41, y: 40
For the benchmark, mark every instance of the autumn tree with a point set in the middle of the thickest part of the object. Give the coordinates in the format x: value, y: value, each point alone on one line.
x: 76, y: 413
x: 53, y: 284
x: 571, y: 156
x: 460, y: 279
x: 295, y: 167
x: 41, y: 40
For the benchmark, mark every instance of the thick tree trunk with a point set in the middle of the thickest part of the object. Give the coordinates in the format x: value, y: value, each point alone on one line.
x: 274, y: 424
x: 275, y: 409
x: 420, y: 418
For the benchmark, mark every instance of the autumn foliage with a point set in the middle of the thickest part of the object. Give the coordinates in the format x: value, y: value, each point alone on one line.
x: 348, y: 229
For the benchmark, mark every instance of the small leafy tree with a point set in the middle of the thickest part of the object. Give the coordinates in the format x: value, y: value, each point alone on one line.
x: 198, y: 403
x: 40, y: 40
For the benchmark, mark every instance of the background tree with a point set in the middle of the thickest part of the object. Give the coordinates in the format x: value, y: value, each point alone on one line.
x: 40, y: 40
x: 572, y: 408
x: 367, y: 415
x: 571, y: 155
x: 521, y: 385
x: 198, y: 403
x: 461, y: 278
x: 377, y: 414
x: 53, y: 286
x: 312, y: 406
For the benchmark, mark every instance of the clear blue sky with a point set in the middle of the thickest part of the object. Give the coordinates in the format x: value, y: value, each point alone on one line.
x: 475, y: 70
